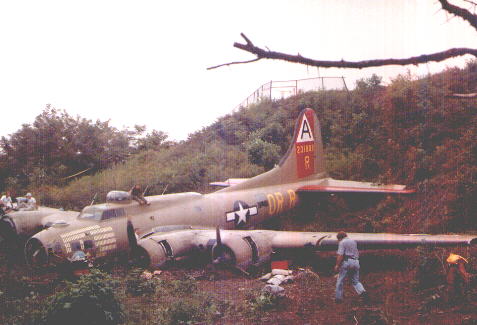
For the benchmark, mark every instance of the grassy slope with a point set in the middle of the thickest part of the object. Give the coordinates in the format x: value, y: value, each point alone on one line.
x: 408, y: 132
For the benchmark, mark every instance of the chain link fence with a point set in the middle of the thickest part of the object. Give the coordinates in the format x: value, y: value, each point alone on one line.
x: 283, y: 89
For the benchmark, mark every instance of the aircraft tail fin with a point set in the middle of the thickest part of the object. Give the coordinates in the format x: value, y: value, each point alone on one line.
x: 304, y: 159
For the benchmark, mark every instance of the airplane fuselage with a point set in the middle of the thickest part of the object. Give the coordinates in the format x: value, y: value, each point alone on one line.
x: 107, y: 232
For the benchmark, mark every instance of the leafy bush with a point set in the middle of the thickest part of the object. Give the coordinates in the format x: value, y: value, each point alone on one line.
x: 262, y: 301
x: 430, y: 272
x: 181, y: 312
x: 137, y: 285
x: 184, y: 304
x: 89, y: 301
x: 20, y: 297
x: 263, y: 153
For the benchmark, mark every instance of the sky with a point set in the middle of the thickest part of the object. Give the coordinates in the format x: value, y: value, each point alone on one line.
x: 145, y: 62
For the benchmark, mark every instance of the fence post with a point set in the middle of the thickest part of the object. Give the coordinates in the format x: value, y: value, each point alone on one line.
x: 344, y: 83
x: 271, y: 86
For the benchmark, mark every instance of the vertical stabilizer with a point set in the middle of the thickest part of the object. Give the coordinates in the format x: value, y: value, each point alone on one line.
x: 305, y: 153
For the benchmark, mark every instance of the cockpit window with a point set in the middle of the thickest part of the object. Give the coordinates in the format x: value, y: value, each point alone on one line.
x: 95, y: 213
x: 91, y: 213
x: 108, y: 214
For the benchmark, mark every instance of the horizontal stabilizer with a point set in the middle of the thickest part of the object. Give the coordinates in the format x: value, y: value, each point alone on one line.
x: 229, y: 182
x: 337, y: 186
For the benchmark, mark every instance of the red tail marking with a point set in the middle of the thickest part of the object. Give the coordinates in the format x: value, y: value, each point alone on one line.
x: 305, y: 146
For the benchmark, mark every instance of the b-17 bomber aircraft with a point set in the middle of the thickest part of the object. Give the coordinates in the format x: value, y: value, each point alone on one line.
x: 178, y: 225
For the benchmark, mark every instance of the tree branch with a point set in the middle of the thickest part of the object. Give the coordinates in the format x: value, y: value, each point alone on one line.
x: 267, y: 54
x: 424, y: 58
x: 471, y: 2
x: 460, y: 12
x: 231, y: 63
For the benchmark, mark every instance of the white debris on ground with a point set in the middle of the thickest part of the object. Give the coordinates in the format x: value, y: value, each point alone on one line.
x: 281, y: 272
x: 274, y: 279
x: 148, y: 275
x: 274, y: 290
x: 278, y: 277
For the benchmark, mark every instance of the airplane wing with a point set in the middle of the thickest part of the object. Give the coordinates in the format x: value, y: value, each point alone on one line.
x: 23, y: 224
x: 330, y: 185
x: 244, y: 249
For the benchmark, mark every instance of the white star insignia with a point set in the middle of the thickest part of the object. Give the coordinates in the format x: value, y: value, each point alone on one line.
x: 241, y: 214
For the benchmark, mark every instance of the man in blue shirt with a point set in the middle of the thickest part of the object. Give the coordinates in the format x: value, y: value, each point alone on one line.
x: 347, y: 263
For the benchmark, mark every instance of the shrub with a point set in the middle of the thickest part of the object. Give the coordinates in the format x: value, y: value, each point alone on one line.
x: 89, y: 301
x: 137, y: 285
x: 189, y: 309
x: 183, y: 303
x: 262, y: 301
x: 180, y: 312
x: 429, y: 271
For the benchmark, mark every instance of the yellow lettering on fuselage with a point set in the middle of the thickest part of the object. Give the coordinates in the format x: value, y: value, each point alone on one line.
x: 279, y: 198
x: 272, y: 205
x: 291, y: 198
x: 277, y: 202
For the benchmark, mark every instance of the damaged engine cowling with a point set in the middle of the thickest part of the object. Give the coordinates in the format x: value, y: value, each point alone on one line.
x: 156, y: 250
x: 243, y: 250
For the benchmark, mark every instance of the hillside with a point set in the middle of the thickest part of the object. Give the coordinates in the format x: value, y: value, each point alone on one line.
x: 408, y: 132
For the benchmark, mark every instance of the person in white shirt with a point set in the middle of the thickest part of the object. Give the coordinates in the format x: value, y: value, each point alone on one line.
x: 7, y: 200
x: 31, y: 202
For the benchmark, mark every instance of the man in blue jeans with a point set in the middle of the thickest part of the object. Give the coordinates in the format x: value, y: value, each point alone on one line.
x: 347, y: 263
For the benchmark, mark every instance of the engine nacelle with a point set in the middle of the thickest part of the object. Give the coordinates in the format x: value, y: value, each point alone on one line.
x: 21, y: 224
x: 243, y: 252
x: 156, y: 250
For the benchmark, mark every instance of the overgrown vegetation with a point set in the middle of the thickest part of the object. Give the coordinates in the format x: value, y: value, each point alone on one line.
x: 259, y: 301
x: 176, y: 302
x: 407, y: 132
x: 138, y: 285
x: 92, y: 300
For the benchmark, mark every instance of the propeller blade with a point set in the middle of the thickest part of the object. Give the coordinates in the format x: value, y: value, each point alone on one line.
x: 218, y: 238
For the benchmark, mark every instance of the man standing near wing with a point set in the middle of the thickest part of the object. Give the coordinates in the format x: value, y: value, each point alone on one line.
x: 347, y: 263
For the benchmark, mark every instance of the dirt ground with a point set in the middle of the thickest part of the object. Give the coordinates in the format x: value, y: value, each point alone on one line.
x: 389, y: 279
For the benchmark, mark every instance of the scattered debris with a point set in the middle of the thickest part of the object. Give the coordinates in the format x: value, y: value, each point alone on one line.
x: 266, y: 277
x: 281, y: 272
x: 146, y: 275
x: 276, y: 279
x: 274, y: 290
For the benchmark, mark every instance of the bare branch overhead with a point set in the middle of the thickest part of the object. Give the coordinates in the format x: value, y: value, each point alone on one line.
x: 460, y: 12
x: 265, y: 53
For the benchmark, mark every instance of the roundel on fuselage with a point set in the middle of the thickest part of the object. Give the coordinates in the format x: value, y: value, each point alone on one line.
x: 241, y: 213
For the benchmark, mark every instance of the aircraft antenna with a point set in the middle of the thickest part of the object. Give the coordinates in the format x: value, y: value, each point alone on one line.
x: 217, y: 235
x: 94, y: 198
x: 145, y: 190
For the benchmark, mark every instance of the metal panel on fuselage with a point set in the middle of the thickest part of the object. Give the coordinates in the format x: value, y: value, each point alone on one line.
x: 232, y: 210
